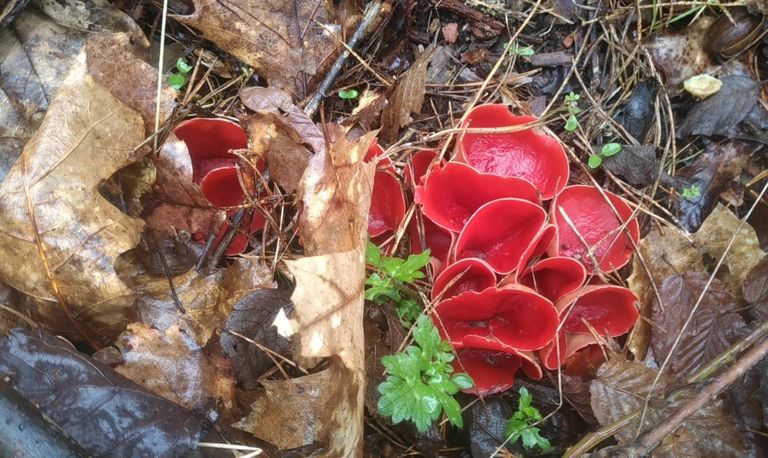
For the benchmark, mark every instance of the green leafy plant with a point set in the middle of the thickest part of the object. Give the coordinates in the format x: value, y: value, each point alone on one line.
x: 572, y: 105
x: 179, y: 79
x: 522, y: 51
x: 608, y: 150
x: 390, y: 280
x: 519, y: 426
x: 420, y: 384
x: 349, y: 95
x: 692, y: 192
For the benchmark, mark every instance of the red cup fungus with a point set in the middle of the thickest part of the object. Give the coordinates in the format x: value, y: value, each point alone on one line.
x: 469, y: 274
x: 554, y: 277
x: 528, y: 154
x: 582, y: 214
x: 387, y: 199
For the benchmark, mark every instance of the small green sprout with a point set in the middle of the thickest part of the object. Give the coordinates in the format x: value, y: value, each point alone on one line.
x: 179, y: 79
x: 608, y: 150
x: 692, y: 192
x: 572, y: 105
x: 419, y: 384
x: 522, y: 51
x: 390, y: 278
x: 520, y: 425
x: 348, y: 95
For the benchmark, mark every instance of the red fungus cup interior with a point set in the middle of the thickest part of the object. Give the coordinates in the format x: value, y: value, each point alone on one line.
x: 492, y: 371
x: 209, y: 142
x: 554, y: 277
x: 528, y: 154
x: 582, y: 214
x: 469, y: 274
x: 501, y: 233
x: 451, y: 194
x: 609, y: 309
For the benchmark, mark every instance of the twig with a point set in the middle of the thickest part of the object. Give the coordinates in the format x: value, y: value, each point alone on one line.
x: 230, y: 234
x: 652, y: 438
x: 371, y: 11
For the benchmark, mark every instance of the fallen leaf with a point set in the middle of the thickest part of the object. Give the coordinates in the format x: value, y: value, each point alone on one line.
x: 711, y: 173
x: 665, y: 252
x: 715, y: 326
x: 252, y: 317
x: 207, y: 299
x: 104, y: 412
x: 576, y: 392
x: 720, y: 113
x: 302, y: 423
x: 171, y: 364
x: 621, y: 388
x: 681, y: 55
x: 487, y: 425
x: 35, y: 56
x: 92, y: 16
x: 59, y: 235
x: 406, y: 97
x: 745, y: 253
x: 113, y: 65
x: 286, y: 43
x: 756, y: 290
x: 637, y: 164
x: 637, y: 115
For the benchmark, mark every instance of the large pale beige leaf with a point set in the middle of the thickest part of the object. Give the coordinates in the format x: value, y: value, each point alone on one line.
x: 284, y: 41
x: 59, y: 236
x: 328, y: 299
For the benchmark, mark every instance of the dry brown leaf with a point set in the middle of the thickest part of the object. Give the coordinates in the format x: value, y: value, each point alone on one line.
x: 172, y: 365
x: 35, y: 56
x: 665, y: 252
x: 756, y: 290
x: 311, y: 402
x: 406, y: 97
x: 621, y: 388
x: 284, y: 41
x: 715, y: 326
x: 328, y: 297
x: 681, y: 55
x: 59, y: 235
x: 207, y: 299
x: 713, y: 237
x: 113, y: 64
x: 92, y: 16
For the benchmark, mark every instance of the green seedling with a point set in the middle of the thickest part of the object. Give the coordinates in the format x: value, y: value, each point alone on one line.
x: 692, y: 192
x: 608, y: 150
x: 522, y: 51
x: 348, y: 95
x: 572, y: 105
x: 390, y: 280
x: 420, y: 382
x: 520, y: 425
x: 179, y: 79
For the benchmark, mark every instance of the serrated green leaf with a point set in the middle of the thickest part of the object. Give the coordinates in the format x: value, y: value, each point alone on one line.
x: 176, y: 81
x: 572, y: 123
x: 182, y: 66
x: 452, y: 409
x: 525, y: 399
x: 594, y: 161
x: 373, y: 254
x: 610, y: 149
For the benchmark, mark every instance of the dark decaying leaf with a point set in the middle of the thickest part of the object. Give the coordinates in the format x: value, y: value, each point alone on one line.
x: 715, y: 327
x: 104, y: 412
x: 285, y: 42
x: 756, y: 290
x: 92, y: 16
x: 637, y: 115
x: 171, y: 364
x: 252, y: 317
x: 710, y: 173
x: 576, y: 392
x: 720, y: 113
x: 681, y: 55
x: 60, y: 237
x: 486, y: 425
x: 621, y: 388
x: 207, y: 299
x: 406, y: 97
x: 637, y: 164
x: 22, y: 425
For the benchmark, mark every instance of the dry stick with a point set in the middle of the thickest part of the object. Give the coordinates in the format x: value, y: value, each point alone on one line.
x: 371, y: 11
x: 591, y: 440
x: 651, y: 439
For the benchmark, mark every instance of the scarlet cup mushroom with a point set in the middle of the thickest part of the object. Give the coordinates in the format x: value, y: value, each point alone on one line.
x: 387, y: 200
x: 528, y: 154
x: 210, y: 142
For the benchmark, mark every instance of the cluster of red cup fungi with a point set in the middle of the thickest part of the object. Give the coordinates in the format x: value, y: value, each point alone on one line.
x: 514, y: 249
